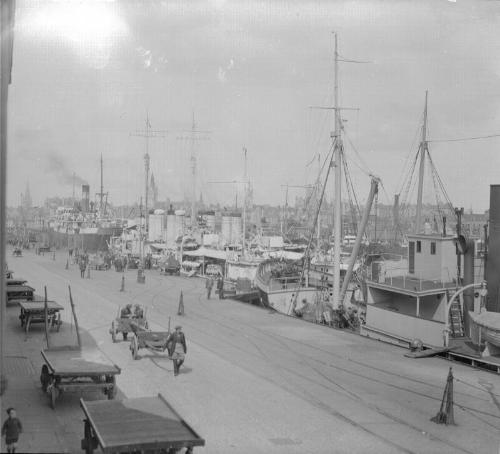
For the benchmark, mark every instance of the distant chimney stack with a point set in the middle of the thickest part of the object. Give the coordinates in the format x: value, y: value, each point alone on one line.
x: 85, y: 198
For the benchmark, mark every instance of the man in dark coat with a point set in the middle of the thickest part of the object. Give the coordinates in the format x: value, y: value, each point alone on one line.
x: 220, y: 287
x: 209, y: 285
x: 178, y: 348
x: 83, y: 266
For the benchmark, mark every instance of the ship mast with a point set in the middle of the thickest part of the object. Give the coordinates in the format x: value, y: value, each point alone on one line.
x: 148, y: 133
x: 245, y: 184
x: 338, y: 187
x: 102, y: 190
x: 423, y: 152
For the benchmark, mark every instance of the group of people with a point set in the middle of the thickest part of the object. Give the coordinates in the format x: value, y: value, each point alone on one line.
x: 209, y: 284
x: 137, y: 312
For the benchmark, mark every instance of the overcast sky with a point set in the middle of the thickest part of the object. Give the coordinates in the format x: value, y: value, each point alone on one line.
x: 85, y: 74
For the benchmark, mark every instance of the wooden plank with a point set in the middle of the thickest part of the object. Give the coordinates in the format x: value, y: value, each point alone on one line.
x: 19, y: 288
x: 37, y: 306
x: 75, y: 363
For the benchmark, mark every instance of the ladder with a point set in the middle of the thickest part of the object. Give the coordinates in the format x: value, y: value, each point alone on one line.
x: 457, y: 320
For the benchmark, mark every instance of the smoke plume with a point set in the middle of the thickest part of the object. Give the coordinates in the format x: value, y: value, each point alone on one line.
x: 57, y: 166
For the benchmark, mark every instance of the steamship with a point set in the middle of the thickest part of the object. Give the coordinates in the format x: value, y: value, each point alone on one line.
x: 82, y: 226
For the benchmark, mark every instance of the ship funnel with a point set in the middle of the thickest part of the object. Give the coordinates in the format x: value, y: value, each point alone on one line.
x: 85, y: 198
x: 493, y: 262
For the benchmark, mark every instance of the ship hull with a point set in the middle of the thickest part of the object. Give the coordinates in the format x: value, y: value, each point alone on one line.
x: 90, y: 242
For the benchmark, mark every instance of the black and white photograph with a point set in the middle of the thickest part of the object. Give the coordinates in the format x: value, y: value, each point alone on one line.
x: 250, y: 226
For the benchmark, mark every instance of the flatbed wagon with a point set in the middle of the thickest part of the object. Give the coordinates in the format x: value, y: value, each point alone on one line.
x: 139, y: 425
x: 34, y: 312
x: 18, y: 281
x: 69, y: 369
x: 16, y: 293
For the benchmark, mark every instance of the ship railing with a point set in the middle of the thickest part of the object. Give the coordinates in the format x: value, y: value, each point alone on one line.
x: 286, y: 283
x: 399, y: 277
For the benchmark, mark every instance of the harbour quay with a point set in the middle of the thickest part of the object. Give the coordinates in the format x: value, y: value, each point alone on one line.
x: 253, y: 381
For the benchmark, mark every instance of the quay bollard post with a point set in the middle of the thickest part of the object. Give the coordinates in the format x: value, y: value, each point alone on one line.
x: 180, y: 310
x: 122, y: 288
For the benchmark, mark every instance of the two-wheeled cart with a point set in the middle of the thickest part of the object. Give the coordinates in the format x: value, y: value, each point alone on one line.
x: 70, y: 369
x: 157, y: 341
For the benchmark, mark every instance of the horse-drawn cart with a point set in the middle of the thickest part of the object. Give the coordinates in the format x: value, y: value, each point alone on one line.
x: 34, y: 312
x: 72, y: 369
x: 17, y: 252
x: 139, y: 425
x: 128, y: 320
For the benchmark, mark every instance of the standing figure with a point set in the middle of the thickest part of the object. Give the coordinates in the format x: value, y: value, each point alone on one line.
x: 209, y: 285
x: 220, y: 287
x: 83, y: 265
x: 178, y: 348
x: 11, y: 429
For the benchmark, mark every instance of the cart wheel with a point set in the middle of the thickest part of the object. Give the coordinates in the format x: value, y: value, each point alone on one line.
x: 44, y: 378
x: 53, y: 396
x: 113, y: 331
x: 124, y: 334
x: 134, y: 347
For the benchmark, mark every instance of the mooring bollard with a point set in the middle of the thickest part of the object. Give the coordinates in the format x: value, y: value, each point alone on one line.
x: 180, y: 310
x: 122, y: 288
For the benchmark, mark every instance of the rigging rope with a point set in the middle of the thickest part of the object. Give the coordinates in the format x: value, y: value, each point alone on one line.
x: 463, y: 139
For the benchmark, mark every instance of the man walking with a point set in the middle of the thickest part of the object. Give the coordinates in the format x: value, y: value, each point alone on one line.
x: 11, y: 428
x: 83, y: 265
x: 209, y: 285
x: 220, y: 287
x: 178, y: 348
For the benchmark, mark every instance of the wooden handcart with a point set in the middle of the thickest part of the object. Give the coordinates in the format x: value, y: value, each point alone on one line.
x: 139, y: 425
x: 157, y: 341
x: 43, y: 249
x: 34, y: 312
x: 70, y: 369
x: 17, y: 293
x: 128, y: 323
x: 18, y: 281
